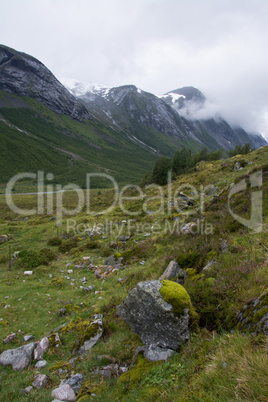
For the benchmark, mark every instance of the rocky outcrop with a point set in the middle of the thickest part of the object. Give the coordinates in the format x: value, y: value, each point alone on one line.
x: 159, y: 313
x: 23, y: 75
x: 254, y: 316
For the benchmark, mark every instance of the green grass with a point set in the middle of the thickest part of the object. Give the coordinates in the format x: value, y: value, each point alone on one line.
x: 218, y: 364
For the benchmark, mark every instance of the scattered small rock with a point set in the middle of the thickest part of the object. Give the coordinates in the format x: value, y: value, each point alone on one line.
x: 10, y: 338
x: 62, y: 312
x: 41, y: 348
x: 75, y: 382
x: 27, y: 390
x: 41, y: 364
x: 64, y: 393
x: 172, y: 271
x: 28, y: 338
x: 40, y: 381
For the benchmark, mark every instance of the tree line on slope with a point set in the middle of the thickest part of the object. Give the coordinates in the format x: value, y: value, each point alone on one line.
x: 184, y: 160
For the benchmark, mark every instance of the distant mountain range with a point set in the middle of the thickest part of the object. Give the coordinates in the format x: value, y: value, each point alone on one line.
x: 75, y: 128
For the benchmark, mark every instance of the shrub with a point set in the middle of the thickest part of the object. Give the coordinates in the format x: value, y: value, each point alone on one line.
x: 32, y: 259
x: 54, y: 241
x: 67, y: 245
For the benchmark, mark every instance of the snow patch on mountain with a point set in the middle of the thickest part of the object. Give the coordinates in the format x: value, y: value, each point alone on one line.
x: 173, y: 96
x: 79, y: 89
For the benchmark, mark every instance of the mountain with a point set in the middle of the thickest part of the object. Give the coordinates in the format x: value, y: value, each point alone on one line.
x: 23, y: 75
x: 88, y: 128
x: 139, y: 112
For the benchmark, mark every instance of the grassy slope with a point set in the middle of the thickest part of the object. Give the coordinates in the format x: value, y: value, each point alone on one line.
x: 66, y: 148
x: 216, y: 365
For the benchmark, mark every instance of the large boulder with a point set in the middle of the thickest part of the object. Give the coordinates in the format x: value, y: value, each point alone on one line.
x: 18, y: 358
x: 159, y: 313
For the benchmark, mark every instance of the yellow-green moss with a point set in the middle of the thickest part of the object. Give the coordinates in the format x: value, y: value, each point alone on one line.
x: 176, y: 295
x: 85, y: 329
x: 4, y: 323
x: 57, y: 281
x: 61, y: 364
x: 84, y: 392
x: 89, y: 333
x: 136, y: 374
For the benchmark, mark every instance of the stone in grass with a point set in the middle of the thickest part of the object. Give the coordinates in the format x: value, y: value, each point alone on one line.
x: 41, y: 364
x: 64, y: 393
x: 10, y: 338
x: 18, y: 358
x: 40, y: 381
x: 75, y: 382
x: 172, y: 271
x: 28, y: 338
x: 254, y: 315
x: 41, y: 348
x: 159, y: 313
x: 96, y: 329
x: 27, y: 390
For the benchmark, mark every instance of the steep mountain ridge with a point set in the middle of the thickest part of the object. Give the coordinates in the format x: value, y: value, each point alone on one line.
x: 136, y: 111
x: 23, y: 75
x: 92, y: 128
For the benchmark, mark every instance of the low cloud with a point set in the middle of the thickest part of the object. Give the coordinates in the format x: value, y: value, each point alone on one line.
x: 158, y: 45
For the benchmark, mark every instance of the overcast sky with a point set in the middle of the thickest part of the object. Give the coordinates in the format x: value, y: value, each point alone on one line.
x: 218, y: 46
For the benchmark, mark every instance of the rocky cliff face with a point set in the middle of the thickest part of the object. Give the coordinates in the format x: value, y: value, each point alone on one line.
x: 139, y: 113
x: 158, y: 124
x: 23, y: 75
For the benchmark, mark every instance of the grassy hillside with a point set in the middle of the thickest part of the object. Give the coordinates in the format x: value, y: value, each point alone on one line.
x: 219, y: 363
x: 33, y: 138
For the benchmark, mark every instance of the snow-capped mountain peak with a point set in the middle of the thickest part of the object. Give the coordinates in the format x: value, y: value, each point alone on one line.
x: 80, y: 89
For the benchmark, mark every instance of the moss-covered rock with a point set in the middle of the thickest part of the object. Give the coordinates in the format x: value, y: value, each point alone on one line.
x: 158, y: 319
x: 254, y: 316
x: 176, y: 295
x: 89, y: 332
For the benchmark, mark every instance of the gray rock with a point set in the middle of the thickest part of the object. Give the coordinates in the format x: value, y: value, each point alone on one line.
x: 34, y: 79
x: 41, y: 364
x: 75, y: 382
x: 94, y: 339
x: 189, y: 228
x: 208, y: 266
x: 64, y: 393
x: 40, y: 381
x: 212, y: 190
x: 18, y: 358
x: 28, y: 338
x: 41, y: 348
x: 27, y: 390
x: 172, y: 271
x: 89, y: 288
x: 154, y: 353
x: 62, y: 312
x: 150, y: 316
x: 254, y: 316
x: 237, y: 166
x: 10, y: 338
